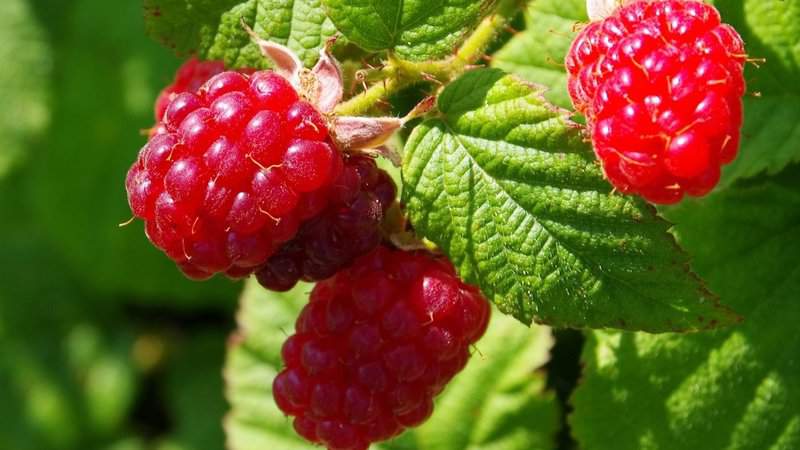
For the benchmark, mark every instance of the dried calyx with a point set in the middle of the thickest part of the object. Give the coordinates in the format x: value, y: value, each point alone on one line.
x: 600, y: 9
x: 323, y: 87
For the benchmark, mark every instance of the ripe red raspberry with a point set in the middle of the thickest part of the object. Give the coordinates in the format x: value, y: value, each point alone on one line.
x: 189, y: 78
x: 233, y: 171
x: 374, y: 346
x: 349, y: 228
x: 660, y: 83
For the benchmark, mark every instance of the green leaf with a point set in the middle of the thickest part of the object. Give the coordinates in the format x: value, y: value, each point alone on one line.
x: 771, y: 130
x: 537, y: 54
x: 212, y: 28
x: 498, y: 402
x: 503, y: 183
x: 733, y: 389
x: 24, y: 83
x: 76, y: 177
x: 412, y: 29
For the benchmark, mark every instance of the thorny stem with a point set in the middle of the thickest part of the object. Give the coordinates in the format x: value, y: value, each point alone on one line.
x: 400, y: 74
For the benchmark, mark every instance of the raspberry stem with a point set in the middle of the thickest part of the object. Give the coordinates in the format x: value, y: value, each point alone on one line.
x: 399, y: 74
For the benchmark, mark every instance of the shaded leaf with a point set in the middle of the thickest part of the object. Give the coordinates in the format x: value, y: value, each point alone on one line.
x: 213, y: 30
x: 537, y: 54
x: 771, y: 133
x: 731, y: 389
x: 413, y: 29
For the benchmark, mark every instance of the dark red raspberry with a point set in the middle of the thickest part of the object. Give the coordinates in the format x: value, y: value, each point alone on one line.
x: 348, y: 228
x: 374, y: 346
x: 660, y: 83
x: 233, y: 171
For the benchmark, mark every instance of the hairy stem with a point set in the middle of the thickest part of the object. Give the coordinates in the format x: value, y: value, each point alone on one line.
x: 400, y: 74
x: 476, y: 44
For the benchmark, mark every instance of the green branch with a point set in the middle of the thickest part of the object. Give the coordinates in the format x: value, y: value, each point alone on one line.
x: 400, y: 74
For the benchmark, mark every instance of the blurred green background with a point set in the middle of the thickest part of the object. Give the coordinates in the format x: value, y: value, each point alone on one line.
x: 104, y: 344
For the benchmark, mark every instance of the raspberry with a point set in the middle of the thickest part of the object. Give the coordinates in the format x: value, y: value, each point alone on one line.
x: 189, y: 78
x: 348, y: 228
x: 660, y: 83
x: 233, y: 171
x: 373, y: 347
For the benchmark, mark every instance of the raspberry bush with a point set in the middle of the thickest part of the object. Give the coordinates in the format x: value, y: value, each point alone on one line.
x: 613, y: 182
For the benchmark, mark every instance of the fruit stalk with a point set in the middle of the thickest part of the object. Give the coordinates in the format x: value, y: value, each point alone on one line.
x: 400, y: 74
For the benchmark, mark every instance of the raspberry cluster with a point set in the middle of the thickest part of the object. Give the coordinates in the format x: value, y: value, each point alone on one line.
x: 242, y: 175
x: 350, y: 227
x: 232, y: 172
x: 660, y: 83
x: 373, y: 347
